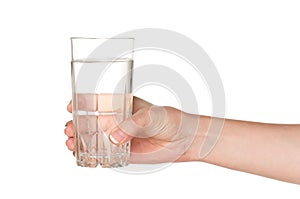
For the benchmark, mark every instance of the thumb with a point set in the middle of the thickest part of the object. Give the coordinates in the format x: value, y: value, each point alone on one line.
x: 144, y: 123
x: 128, y: 128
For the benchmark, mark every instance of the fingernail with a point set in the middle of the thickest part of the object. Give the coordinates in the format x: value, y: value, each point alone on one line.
x: 117, y: 137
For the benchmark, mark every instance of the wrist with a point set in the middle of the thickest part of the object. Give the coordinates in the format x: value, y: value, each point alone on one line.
x: 196, y: 137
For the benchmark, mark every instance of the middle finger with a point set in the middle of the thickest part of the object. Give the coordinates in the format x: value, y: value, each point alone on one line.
x: 69, y: 130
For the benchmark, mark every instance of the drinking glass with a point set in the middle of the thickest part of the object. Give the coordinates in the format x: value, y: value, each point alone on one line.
x: 101, y: 71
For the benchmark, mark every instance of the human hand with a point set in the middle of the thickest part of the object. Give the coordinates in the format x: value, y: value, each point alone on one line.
x: 157, y: 133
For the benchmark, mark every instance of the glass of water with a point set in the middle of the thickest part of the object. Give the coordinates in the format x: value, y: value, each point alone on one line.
x: 101, y: 88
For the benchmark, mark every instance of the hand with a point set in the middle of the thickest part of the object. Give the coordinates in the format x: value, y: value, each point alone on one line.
x: 158, y: 134
x: 165, y: 134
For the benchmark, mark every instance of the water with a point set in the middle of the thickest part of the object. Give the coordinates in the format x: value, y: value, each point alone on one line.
x: 95, y: 116
x: 104, y: 76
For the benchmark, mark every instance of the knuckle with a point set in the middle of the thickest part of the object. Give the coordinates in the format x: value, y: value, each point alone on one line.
x: 142, y: 119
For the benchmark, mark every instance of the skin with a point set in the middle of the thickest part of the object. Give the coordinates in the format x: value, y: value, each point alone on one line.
x: 158, y: 135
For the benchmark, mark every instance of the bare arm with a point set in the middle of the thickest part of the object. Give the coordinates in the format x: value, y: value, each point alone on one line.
x: 270, y: 150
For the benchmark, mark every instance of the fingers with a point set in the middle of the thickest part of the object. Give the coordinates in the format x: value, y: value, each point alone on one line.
x: 118, y: 135
x: 70, y: 144
x: 69, y: 130
x: 69, y: 107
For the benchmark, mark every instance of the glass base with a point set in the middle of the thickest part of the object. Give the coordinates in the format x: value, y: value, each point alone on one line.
x: 116, y: 160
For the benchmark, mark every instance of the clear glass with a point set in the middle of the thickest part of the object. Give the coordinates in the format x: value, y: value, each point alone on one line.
x: 101, y: 87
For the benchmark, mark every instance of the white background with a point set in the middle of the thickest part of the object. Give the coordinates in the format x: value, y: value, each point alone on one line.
x: 255, y: 46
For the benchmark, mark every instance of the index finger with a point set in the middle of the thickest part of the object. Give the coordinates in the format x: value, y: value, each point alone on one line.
x: 69, y: 107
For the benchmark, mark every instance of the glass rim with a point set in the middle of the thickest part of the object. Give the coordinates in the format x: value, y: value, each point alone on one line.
x: 102, y: 38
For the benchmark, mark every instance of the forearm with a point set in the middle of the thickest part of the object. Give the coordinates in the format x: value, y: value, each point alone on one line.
x: 270, y: 150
